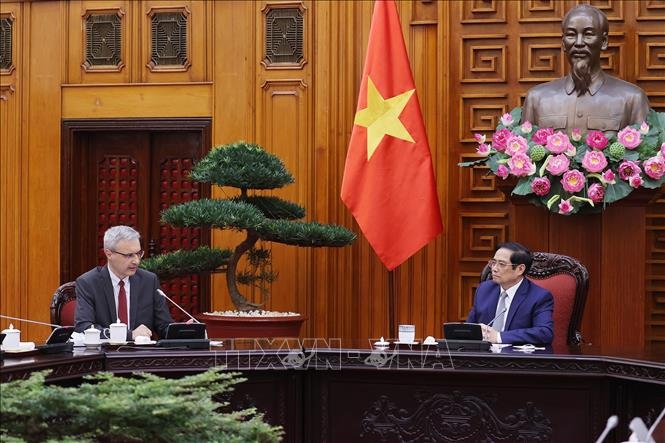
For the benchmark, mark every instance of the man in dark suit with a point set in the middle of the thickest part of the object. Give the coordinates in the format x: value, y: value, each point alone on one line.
x: 120, y: 290
x: 587, y: 98
x: 511, y: 308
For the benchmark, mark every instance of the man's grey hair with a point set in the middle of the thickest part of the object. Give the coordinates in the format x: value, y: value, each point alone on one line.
x: 117, y: 233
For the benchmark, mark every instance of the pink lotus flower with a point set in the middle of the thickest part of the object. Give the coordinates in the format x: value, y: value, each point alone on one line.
x: 526, y: 127
x: 520, y: 165
x: 576, y: 134
x: 635, y: 181
x: 558, y: 164
x: 654, y: 167
x: 502, y: 171
x: 628, y: 169
x: 540, y: 137
x: 596, y: 192
x: 516, y: 144
x: 499, y: 139
x: 571, y: 151
x: 644, y: 128
x: 573, y: 181
x: 558, y: 143
x: 507, y: 119
x: 609, y: 177
x: 483, y: 149
x: 594, y: 161
x: 596, y: 140
x: 541, y: 186
x: 629, y: 137
x: 480, y: 138
x: 565, y: 207
x: 662, y: 149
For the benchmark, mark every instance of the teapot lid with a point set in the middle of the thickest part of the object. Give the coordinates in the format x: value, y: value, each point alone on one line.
x: 118, y: 322
x: 10, y: 330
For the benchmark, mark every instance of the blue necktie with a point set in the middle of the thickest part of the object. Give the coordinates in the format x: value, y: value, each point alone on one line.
x: 501, y: 316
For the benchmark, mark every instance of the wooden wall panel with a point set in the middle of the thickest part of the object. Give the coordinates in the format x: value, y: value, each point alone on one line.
x: 29, y: 221
x: 532, y: 33
x: 11, y: 91
x: 135, y: 18
x: 283, y: 128
x: 77, y: 11
x: 471, y: 60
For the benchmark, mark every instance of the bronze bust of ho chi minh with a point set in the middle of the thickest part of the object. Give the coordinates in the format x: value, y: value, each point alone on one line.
x: 587, y: 98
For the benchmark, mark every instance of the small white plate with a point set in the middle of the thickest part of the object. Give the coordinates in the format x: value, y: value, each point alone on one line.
x: 381, y: 343
x: 406, y: 343
x: 117, y: 343
x: 24, y: 346
x: 149, y: 342
x: 93, y: 345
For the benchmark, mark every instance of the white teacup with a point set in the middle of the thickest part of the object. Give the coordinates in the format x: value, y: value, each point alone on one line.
x: 117, y: 332
x: 92, y: 336
x: 407, y: 333
x: 12, y: 338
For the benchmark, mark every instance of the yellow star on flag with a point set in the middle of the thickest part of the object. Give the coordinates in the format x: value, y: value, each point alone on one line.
x: 381, y: 117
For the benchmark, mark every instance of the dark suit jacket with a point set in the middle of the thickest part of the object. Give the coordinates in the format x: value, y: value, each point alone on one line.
x: 529, y: 318
x: 95, y: 304
x: 610, y: 105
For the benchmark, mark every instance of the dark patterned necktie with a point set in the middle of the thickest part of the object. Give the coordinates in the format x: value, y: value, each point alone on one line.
x: 122, y: 303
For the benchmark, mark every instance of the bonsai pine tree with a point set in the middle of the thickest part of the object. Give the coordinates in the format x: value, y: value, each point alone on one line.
x: 248, y: 168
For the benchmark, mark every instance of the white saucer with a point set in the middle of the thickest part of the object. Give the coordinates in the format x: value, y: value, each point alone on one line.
x: 406, y: 343
x: 93, y: 345
x: 24, y: 346
x: 149, y: 342
x: 117, y: 343
x: 381, y: 343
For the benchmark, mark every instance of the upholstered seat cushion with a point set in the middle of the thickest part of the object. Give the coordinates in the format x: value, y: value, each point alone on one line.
x: 563, y: 288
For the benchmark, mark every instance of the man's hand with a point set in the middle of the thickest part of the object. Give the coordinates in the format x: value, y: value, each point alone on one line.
x: 489, y: 333
x: 141, y: 330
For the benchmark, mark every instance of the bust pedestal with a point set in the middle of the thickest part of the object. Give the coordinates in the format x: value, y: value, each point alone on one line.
x: 612, y: 245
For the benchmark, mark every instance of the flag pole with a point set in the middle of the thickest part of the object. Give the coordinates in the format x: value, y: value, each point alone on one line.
x: 392, y: 320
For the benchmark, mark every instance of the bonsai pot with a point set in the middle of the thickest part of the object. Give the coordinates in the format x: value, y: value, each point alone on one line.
x: 222, y: 326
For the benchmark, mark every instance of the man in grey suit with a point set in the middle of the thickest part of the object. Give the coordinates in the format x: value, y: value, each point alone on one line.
x: 121, y: 290
x: 587, y: 98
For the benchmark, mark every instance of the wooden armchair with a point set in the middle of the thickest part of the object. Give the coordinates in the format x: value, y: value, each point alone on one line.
x: 63, y: 305
x: 568, y: 281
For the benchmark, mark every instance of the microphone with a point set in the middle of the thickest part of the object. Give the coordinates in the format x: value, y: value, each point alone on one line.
x: 497, y: 316
x: 30, y: 321
x: 176, y: 305
x: 653, y: 426
x: 612, y: 423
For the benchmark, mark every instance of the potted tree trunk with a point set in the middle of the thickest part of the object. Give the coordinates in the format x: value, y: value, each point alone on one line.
x: 250, y: 169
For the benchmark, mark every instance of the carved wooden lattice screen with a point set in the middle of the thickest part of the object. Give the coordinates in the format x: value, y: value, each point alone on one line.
x: 118, y: 186
x: 117, y: 196
x: 175, y: 187
x: 504, y: 49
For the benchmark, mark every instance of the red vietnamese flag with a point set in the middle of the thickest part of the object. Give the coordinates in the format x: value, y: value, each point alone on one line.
x: 388, y: 180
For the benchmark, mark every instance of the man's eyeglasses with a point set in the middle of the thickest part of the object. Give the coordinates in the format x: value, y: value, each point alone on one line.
x: 500, y: 264
x: 130, y: 255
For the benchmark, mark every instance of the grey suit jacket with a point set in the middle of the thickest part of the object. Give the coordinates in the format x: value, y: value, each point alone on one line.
x: 95, y: 304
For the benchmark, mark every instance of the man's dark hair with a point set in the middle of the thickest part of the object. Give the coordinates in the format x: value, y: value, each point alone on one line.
x: 601, y: 18
x: 520, y: 254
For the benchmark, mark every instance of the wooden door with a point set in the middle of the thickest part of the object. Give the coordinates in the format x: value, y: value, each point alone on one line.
x: 128, y: 177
